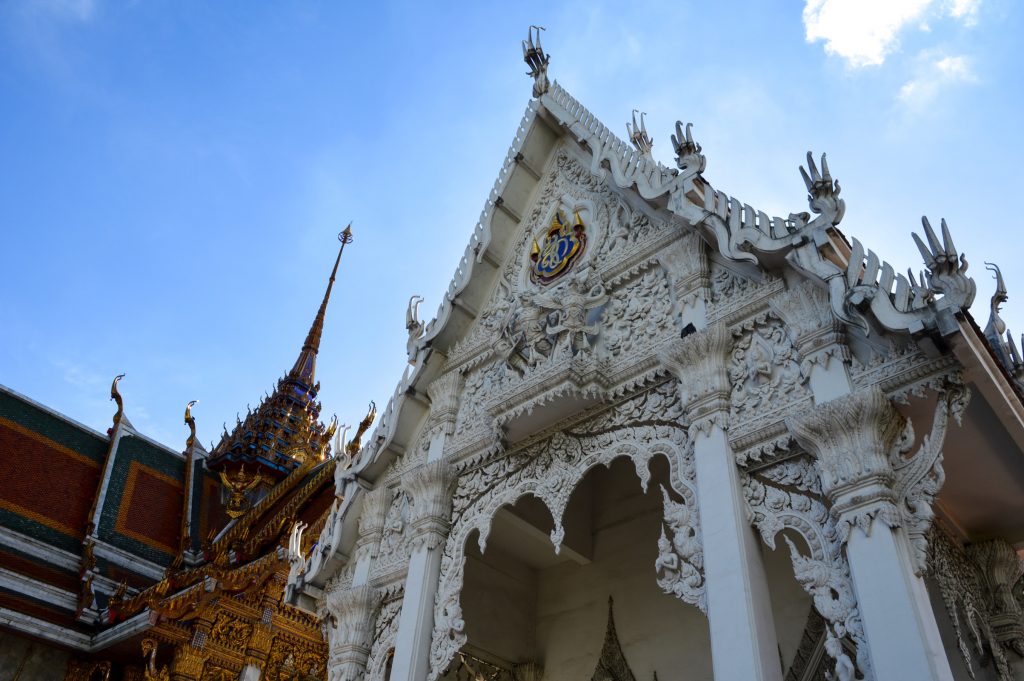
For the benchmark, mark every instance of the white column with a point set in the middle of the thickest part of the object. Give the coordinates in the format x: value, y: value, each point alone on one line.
x: 743, y: 642
x: 852, y: 437
x: 416, y: 621
x: 250, y: 672
x: 430, y: 489
x: 898, y: 620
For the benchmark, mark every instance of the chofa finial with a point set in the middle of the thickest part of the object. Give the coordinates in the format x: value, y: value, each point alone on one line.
x: 414, y: 326
x: 354, y: 446
x: 823, y: 191
x: 116, y: 396
x: 947, y: 269
x: 638, y: 133
x: 537, y: 60
x: 995, y: 331
x: 688, y: 156
x: 191, y: 423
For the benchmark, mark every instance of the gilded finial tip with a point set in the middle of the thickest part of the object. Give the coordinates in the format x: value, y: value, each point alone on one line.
x: 345, y: 236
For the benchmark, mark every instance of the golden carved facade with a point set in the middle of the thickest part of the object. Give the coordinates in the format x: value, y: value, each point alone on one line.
x: 224, y: 635
x: 219, y: 610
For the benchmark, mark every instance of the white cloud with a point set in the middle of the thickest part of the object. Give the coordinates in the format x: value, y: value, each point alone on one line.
x: 965, y: 10
x: 934, y: 76
x: 78, y: 375
x: 79, y: 10
x: 865, y: 32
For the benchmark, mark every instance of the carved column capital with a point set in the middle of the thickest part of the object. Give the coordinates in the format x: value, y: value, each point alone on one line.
x: 444, y: 394
x: 350, y: 637
x: 187, y: 664
x: 258, y: 647
x: 999, y: 569
x: 852, y: 437
x: 430, y: 487
x: 686, y: 262
x: 699, y: 362
x: 371, y: 518
x: 807, y: 312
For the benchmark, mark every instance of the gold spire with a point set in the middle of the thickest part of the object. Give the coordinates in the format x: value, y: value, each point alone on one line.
x: 305, y: 365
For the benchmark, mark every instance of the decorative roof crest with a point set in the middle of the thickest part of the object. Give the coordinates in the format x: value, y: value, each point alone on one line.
x: 638, y: 133
x: 414, y: 326
x: 996, y: 326
x: 823, y: 191
x: 537, y: 60
x: 354, y: 446
x: 946, y: 268
x: 116, y: 396
x: 688, y: 156
x: 996, y: 332
x: 191, y: 423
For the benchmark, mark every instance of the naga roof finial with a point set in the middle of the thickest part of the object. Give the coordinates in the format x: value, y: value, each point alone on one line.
x: 116, y: 396
x: 688, y: 156
x: 353, y: 447
x: 638, y: 133
x: 537, y: 60
x: 947, y: 269
x: 823, y: 192
x: 414, y: 326
x: 191, y: 423
x: 996, y: 326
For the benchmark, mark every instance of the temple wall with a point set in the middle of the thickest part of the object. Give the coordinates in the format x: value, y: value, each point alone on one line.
x: 790, y: 603
x: 29, y: 660
x: 949, y: 643
x: 501, y: 610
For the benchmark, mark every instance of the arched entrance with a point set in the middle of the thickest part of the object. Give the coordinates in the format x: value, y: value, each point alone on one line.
x: 528, y: 610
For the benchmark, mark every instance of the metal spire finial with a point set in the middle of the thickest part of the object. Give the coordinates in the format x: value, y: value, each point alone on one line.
x: 305, y: 365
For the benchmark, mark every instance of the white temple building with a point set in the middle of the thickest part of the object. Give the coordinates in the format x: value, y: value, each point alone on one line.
x: 653, y: 432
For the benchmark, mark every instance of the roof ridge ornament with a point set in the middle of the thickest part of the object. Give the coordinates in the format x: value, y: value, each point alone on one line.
x: 996, y: 326
x: 946, y: 268
x: 688, y: 156
x: 996, y: 333
x: 537, y: 60
x: 415, y: 327
x: 638, y: 134
x: 190, y: 421
x: 823, y: 192
x: 116, y: 397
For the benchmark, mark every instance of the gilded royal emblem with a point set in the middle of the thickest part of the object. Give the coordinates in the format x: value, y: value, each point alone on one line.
x: 562, y: 246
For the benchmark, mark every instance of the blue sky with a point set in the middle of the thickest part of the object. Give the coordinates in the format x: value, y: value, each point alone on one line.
x: 174, y: 173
